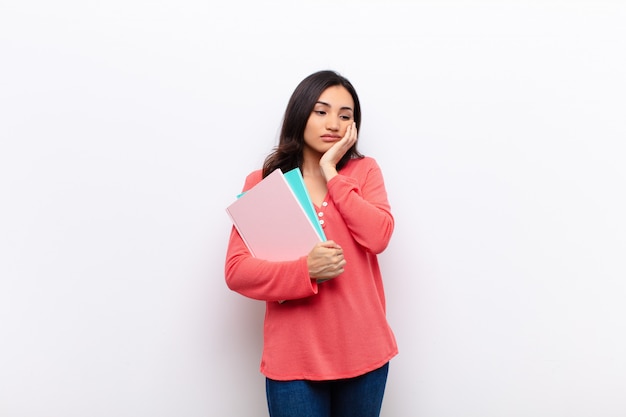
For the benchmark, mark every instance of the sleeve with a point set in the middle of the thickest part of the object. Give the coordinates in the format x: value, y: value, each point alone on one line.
x: 361, y: 199
x: 261, y: 279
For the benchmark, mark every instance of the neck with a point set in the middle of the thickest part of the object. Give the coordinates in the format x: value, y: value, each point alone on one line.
x: 311, y: 163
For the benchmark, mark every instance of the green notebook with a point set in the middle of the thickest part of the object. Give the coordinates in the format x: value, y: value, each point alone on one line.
x: 296, y: 183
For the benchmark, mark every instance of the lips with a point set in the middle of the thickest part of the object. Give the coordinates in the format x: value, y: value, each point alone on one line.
x: 331, y: 138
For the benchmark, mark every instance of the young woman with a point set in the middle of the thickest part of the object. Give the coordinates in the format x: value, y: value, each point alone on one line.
x: 326, y: 349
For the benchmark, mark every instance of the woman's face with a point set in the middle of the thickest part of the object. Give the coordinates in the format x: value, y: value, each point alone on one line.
x: 331, y: 116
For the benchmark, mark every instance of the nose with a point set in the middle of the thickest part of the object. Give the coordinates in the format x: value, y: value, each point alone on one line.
x: 332, y: 123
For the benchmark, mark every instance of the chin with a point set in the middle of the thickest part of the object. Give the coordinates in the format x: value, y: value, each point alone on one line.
x: 320, y: 148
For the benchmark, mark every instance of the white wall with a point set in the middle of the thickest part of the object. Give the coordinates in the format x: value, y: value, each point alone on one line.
x: 126, y: 127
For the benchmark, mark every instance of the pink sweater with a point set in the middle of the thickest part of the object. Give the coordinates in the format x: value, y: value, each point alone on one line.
x: 338, y: 328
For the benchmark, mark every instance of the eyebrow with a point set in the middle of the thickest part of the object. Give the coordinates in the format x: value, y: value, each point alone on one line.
x: 342, y: 108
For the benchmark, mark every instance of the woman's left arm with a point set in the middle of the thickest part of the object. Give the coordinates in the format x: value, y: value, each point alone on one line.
x: 362, y: 202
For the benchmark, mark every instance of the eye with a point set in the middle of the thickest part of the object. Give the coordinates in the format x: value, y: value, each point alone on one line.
x: 319, y: 112
x: 345, y: 117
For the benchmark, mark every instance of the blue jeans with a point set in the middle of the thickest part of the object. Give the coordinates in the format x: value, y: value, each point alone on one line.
x: 361, y: 396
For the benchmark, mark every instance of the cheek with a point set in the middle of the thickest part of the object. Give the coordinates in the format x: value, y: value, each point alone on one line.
x: 308, y: 131
x: 310, y: 125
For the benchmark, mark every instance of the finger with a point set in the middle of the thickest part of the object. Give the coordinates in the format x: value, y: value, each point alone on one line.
x: 330, y: 244
x: 350, y: 136
x: 347, y: 137
x: 348, y: 130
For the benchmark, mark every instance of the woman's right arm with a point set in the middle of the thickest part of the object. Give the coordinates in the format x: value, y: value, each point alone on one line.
x: 266, y: 280
x: 273, y: 281
x: 261, y: 279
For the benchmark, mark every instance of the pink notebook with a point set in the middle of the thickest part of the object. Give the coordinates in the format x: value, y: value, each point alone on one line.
x: 271, y: 221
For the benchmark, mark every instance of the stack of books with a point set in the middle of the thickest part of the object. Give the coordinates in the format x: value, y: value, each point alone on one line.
x: 276, y: 218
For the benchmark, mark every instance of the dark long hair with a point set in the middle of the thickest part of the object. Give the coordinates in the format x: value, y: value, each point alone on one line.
x: 289, y: 152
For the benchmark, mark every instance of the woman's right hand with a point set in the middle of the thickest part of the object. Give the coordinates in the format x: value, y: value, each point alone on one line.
x: 325, y: 261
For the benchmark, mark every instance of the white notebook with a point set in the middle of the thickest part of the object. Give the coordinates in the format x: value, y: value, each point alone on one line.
x: 271, y: 221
